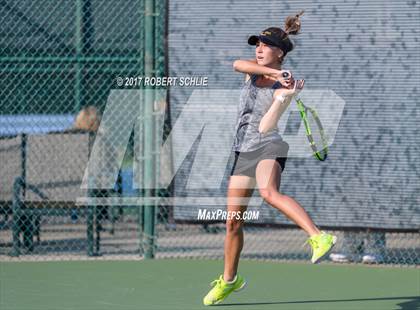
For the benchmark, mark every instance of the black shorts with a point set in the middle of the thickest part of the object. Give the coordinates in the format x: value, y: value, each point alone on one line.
x: 245, y: 163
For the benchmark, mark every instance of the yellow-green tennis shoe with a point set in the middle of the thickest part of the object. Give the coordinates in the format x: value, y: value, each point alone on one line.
x: 321, y: 245
x: 221, y: 290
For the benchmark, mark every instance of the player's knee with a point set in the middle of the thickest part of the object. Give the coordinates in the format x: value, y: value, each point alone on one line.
x: 267, y: 193
x: 233, y: 226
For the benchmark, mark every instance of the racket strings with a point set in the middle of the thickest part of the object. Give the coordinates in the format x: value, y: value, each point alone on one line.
x: 314, y: 131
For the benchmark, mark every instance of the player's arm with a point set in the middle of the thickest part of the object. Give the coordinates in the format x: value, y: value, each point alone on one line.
x: 270, y: 119
x: 281, y: 100
x: 250, y: 66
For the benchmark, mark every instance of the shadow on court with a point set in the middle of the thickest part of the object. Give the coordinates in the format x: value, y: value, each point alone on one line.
x: 412, y: 304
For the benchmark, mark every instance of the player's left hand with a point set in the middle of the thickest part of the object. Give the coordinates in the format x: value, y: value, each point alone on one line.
x: 294, y: 88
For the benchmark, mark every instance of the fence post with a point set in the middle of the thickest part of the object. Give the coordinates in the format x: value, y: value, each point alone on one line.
x: 16, y: 216
x: 149, y: 171
x: 83, y: 44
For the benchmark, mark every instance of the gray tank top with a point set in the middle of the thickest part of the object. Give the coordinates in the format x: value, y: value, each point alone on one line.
x: 254, y: 102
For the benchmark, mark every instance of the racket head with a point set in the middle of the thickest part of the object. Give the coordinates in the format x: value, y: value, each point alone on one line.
x: 319, y: 140
x: 314, y: 131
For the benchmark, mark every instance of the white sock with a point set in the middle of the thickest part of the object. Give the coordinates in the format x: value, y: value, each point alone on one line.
x: 233, y: 281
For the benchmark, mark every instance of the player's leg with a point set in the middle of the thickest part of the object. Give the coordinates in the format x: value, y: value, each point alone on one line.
x: 239, y: 191
x: 268, y: 174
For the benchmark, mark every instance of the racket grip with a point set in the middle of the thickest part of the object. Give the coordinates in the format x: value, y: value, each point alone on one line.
x: 286, y: 75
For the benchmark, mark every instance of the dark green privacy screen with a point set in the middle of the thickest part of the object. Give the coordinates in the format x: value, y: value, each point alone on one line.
x: 57, y: 56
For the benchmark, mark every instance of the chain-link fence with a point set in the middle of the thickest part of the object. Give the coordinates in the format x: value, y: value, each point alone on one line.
x: 61, y: 97
x: 59, y: 62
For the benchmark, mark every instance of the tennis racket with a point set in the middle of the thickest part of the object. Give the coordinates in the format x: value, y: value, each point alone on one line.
x: 314, y: 130
x: 313, y: 126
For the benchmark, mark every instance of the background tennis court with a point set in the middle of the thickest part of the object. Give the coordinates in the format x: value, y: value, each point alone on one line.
x: 63, y: 246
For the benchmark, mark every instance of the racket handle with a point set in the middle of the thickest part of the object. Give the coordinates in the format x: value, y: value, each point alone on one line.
x: 286, y: 74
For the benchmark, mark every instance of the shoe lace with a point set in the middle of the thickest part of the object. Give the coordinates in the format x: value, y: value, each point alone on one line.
x: 217, y: 282
x: 312, y: 242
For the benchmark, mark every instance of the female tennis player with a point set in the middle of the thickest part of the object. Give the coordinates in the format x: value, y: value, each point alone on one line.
x: 260, y: 152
